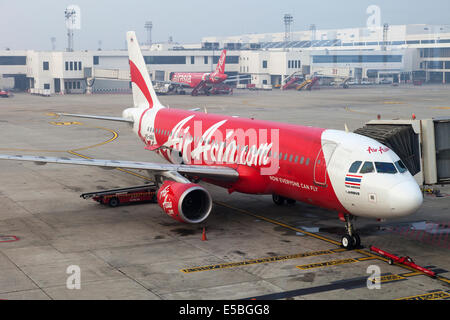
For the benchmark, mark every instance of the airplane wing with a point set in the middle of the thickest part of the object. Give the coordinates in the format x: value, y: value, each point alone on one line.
x: 96, y: 117
x: 182, y: 84
x: 211, y: 172
x: 234, y: 79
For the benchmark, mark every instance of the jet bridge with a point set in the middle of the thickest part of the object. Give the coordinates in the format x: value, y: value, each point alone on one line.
x: 423, y: 145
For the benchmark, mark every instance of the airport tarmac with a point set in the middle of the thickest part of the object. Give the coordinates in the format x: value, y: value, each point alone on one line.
x: 254, y: 249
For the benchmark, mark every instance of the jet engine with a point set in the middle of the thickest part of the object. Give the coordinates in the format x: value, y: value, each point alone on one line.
x: 185, y: 202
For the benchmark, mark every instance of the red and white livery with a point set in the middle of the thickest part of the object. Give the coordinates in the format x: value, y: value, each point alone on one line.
x: 206, y: 82
x: 337, y: 170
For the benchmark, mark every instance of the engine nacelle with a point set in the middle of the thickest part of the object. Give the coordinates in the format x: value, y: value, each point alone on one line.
x: 185, y: 202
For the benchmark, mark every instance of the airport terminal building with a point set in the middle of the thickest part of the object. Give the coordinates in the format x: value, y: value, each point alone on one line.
x: 400, y: 53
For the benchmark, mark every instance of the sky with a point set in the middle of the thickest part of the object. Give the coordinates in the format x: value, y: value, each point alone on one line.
x: 31, y: 24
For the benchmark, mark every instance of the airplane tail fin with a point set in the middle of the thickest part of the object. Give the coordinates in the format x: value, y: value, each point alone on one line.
x: 220, y: 69
x: 144, y: 95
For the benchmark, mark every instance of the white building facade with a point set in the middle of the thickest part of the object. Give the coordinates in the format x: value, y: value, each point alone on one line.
x: 400, y: 53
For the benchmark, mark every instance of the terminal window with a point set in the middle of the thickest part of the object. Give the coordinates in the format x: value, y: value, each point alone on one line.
x: 13, y: 60
x: 45, y: 65
x: 357, y: 58
x: 165, y: 59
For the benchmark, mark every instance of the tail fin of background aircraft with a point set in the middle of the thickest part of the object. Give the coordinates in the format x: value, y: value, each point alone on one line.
x: 143, y: 94
x: 221, y: 64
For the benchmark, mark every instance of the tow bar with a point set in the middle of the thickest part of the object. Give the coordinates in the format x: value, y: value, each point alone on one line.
x: 407, y: 261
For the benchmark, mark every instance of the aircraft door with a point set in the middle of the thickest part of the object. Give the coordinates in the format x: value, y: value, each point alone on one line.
x: 320, y: 166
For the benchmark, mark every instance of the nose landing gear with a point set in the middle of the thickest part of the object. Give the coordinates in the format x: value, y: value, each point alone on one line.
x: 351, y: 240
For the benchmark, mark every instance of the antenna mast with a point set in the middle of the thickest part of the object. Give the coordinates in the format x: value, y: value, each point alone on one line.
x: 288, y: 19
x: 148, y: 26
x: 70, y: 15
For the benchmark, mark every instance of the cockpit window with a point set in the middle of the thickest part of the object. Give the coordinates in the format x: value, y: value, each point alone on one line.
x: 355, y: 166
x: 401, y: 166
x: 385, y: 167
x: 367, y: 168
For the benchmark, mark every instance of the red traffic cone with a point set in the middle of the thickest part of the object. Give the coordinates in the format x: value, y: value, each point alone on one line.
x: 204, y: 234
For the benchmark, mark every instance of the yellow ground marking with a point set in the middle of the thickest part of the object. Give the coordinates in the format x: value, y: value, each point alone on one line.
x: 412, y: 274
x: 366, y: 258
x: 120, y: 169
x: 259, y: 261
x: 326, y: 264
x: 393, y: 102
x: 438, y: 295
x: 74, y: 151
x: 355, y: 111
x: 443, y: 279
x: 64, y: 123
x: 391, y: 277
x: 114, y: 137
x: 442, y: 108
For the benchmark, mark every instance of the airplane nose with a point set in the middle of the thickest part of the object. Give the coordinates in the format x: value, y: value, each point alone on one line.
x: 405, y: 198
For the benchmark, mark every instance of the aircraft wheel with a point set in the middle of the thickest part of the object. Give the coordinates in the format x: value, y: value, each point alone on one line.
x: 278, y: 200
x: 347, y: 242
x: 114, y: 202
x: 356, y: 240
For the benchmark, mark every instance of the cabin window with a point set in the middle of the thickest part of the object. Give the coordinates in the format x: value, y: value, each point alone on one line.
x: 367, y: 168
x: 296, y: 159
x: 285, y: 157
x: 281, y: 155
x: 355, y: 166
x: 385, y: 167
x: 401, y: 166
x: 307, y: 162
x: 302, y: 160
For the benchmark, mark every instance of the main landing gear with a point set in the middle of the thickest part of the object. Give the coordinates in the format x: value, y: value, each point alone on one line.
x: 351, y: 240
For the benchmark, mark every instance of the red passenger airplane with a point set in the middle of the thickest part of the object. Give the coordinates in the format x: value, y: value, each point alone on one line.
x: 337, y: 170
x: 203, y: 81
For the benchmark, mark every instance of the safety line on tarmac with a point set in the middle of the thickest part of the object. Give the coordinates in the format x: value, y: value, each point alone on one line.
x: 114, y: 137
x: 120, y: 169
x: 262, y: 260
x: 436, y: 295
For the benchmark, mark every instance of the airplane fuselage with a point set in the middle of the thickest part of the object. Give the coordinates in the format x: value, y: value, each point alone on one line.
x: 193, y: 79
x: 307, y: 164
